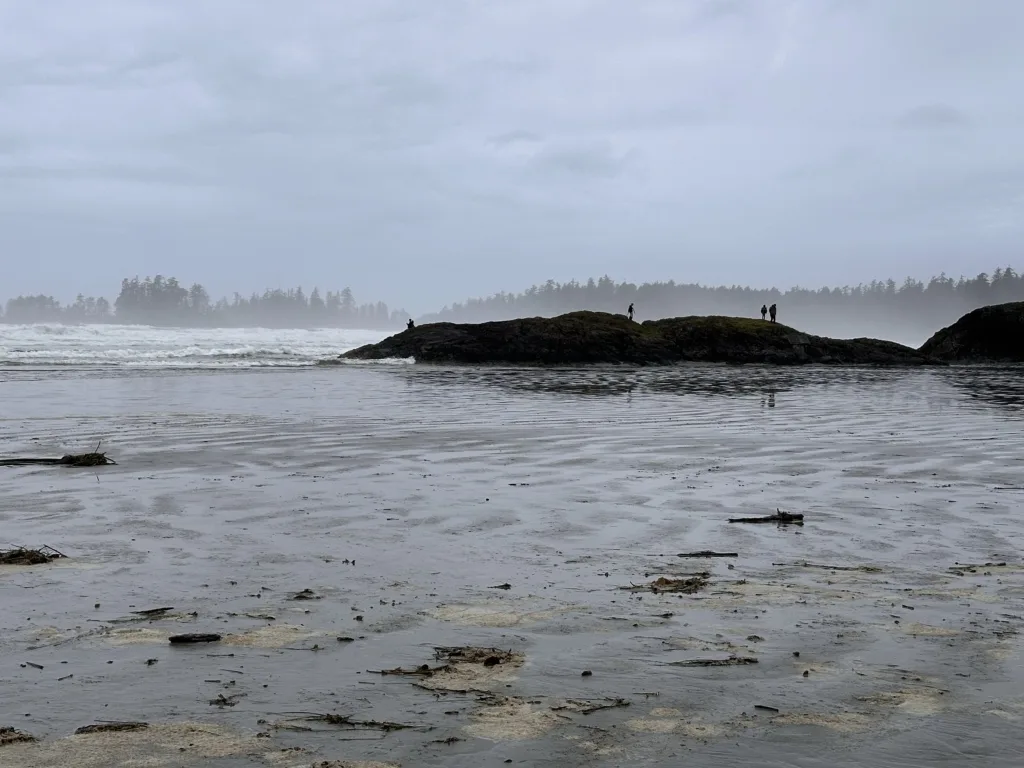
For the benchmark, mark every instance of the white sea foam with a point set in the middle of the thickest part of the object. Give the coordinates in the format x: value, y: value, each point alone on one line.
x: 148, y: 347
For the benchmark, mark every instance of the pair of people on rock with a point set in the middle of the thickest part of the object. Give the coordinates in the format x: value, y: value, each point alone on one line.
x: 768, y: 311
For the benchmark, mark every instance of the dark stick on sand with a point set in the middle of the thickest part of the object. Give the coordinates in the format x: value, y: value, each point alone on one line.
x: 93, y: 459
x: 708, y: 553
x: 193, y: 638
x: 783, y: 518
x: 732, y: 661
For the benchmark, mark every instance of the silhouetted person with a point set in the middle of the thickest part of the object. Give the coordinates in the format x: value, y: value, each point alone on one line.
x: 410, y: 325
x: 764, y: 311
x: 771, y: 311
x: 629, y: 311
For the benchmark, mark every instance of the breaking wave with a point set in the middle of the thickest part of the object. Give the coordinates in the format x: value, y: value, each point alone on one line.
x: 147, y: 347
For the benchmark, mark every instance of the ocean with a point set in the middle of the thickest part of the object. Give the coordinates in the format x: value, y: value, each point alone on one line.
x: 133, y: 346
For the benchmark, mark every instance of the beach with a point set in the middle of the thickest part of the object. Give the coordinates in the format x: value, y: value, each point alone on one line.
x: 405, y: 508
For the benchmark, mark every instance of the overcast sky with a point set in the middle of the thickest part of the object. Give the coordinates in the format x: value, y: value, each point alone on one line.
x: 423, y: 151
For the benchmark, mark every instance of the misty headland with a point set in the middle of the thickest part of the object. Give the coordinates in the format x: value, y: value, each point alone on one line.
x: 993, y: 334
x: 907, y: 312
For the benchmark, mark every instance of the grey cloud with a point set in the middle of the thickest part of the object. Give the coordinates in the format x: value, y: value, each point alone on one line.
x: 585, y: 161
x: 934, y: 116
x: 474, y: 147
x: 515, y: 137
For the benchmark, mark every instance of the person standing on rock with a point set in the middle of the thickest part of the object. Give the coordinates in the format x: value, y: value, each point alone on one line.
x: 410, y: 325
x: 629, y: 311
x: 771, y: 311
x: 764, y: 311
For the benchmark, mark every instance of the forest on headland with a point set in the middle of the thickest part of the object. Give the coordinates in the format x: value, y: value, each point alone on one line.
x: 884, y: 309
x: 911, y: 310
x: 165, y: 302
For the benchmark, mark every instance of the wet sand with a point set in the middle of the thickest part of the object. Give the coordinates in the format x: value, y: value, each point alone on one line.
x: 404, y: 497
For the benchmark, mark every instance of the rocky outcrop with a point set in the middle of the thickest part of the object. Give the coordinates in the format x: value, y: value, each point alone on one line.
x: 597, y: 337
x: 988, y: 335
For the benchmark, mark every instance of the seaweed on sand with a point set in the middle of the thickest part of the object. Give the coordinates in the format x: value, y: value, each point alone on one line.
x: 687, y: 585
x: 25, y: 556
x: 488, y: 657
x: 10, y: 735
x: 472, y: 655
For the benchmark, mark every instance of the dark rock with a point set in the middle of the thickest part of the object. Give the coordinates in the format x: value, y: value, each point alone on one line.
x: 989, y: 334
x: 598, y: 337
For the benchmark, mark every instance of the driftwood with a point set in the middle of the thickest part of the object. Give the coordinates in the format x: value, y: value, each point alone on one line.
x: 424, y: 670
x: 826, y: 567
x: 962, y: 569
x: 93, y: 459
x: 708, y: 553
x: 732, y: 661
x: 780, y: 517
x: 151, y: 612
x: 193, y: 638
x: 589, y: 706
x: 23, y: 556
x: 110, y: 728
x: 363, y: 725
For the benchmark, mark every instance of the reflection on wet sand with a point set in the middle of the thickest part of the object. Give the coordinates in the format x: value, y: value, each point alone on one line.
x: 330, y: 522
x: 999, y: 386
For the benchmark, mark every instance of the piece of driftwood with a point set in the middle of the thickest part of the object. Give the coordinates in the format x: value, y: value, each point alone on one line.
x: 151, y: 612
x: 424, y: 670
x: 110, y: 728
x: 347, y: 721
x: 780, y: 517
x: 962, y: 569
x: 590, y: 706
x: 708, y: 553
x: 732, y: 661
x: 827, y: 567
x: 91, y: 459
x: 190, y: 638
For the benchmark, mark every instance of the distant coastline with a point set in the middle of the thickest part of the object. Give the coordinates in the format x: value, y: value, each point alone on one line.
x: 908, y: 312
x: 164, y: 302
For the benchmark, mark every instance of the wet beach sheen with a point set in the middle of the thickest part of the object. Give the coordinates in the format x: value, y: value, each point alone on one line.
x: 236, y: 490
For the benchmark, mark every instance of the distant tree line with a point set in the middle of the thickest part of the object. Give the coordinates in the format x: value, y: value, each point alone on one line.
x: 163, y: 301
x: 883, y: 309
